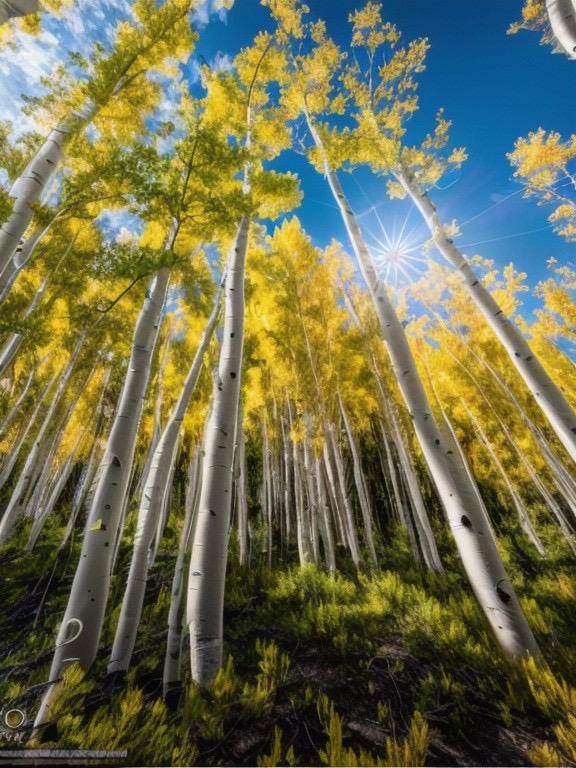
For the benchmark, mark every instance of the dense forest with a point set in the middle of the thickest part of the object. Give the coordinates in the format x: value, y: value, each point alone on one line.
x: 265, y: 502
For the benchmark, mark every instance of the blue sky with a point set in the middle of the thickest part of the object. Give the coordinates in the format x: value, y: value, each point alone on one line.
x: 493, y: 86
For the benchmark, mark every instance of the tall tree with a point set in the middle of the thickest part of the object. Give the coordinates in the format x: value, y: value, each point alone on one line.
x: 462, y: 503
x: 116, y: 84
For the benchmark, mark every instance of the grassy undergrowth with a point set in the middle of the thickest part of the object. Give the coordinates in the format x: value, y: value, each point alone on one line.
x: 395, y: 667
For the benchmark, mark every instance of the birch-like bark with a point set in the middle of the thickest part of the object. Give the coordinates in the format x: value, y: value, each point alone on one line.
x: 16, y: 407
x: 205, y: 603
x: 324, y: 522
x: 88, y: 473
x: 548, y: 396
x: 241, y: 501
x: 31, y: 501
x: 30, y: 186
x: 17, y: 445
x: 311, y: 494
x: 562, y: 16
x: 153, y: 498
x: 13, y: 343
x: 15, y: 505
x: 361, y: 487
x: 81, y: 626
x: 523, y: 516
x: 11, y: 9
x: 53, y: 491
x: 336, y: 470
x: 457, y: 492
x: 172, y: 673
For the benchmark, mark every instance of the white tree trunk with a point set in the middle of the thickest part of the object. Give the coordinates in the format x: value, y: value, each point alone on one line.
x: 29, y: 187
x: 205, y: 603
x: 15, y: 504
x: 81, y: 626
x: 241, y: 501
x: 16, y: 407
x: 336, y: 468
x: 172, y: 661
x: 151, y: 504
x: 361, y: 487
x: 562, y: 16
x: 324, y: 522
x: 53, y: 491
x: 458, y: 494
x: 11, y: 9
x: 88, y: 474
x: 548, y: 396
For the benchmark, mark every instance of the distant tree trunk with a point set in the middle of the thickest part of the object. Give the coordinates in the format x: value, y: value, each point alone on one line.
x: 241, y: 501
x: 548, y: 396
x: 15, y: 505
x: 205, y: 604
x: 81, y: 626
x: 153, y: 496
x: 172, y: 662
x: 361, y: 487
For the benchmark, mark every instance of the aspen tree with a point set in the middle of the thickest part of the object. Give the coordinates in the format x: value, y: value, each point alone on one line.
x: 14, y: 507
x: 457, y: 491
x: 153, y: 494
x: 263, y: 137
x: 79, y: 633
x: 116, y: 83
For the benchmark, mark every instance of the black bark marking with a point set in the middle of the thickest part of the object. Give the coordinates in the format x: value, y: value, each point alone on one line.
x: 500, y: 312
x: 530, y: 357
x: 466, y: 521
x: 437, y: 442
x: 116, y: 461
x: 231, y: 335
x: 475, y: 283
x: 232, y: 374
x: 212, y: 513
x: 504, y: 596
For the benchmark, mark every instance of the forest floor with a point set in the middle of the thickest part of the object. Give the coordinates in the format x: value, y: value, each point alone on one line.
x: 320, y: 670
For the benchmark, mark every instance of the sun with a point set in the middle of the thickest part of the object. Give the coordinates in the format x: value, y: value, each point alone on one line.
x: 398, y: 252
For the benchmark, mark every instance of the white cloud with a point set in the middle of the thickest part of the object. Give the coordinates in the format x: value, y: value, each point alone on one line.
x: 206, y: 9
x: 221, y: 62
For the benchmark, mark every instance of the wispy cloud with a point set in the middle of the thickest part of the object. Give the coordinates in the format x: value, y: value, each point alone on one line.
x: 206, y: 9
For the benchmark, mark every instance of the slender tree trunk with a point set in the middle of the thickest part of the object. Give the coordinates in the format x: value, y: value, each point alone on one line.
x: 458, y: 493
x: 361, y: 488
x: 204, y: 613
x: 562, y: 15
x: 241, y: 502
x: 153, y: 497
x: 172, y: 661
x: 81, y: 626
x: 30, y: 186
x: 88, y: 475
x: 324, y: 522
x: 16, y: 407
x: 548, y: 396
x: 15, y: 504
x: 11, y: 9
